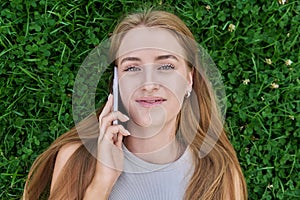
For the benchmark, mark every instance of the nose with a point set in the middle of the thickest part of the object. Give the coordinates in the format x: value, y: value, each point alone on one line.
x: 149, y: 83
x: 150, y: 87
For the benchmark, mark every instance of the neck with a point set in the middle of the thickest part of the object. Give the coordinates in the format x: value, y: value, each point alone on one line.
x: 154, y: 144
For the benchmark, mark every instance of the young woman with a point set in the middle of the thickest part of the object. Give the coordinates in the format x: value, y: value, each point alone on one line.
x: 169, y: 143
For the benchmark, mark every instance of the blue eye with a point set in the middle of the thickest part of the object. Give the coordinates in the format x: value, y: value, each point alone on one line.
x: 166, y: 67
x: 131, y: 69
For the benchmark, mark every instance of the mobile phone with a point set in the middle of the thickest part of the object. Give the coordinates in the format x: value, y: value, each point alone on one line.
x: 115, y: 92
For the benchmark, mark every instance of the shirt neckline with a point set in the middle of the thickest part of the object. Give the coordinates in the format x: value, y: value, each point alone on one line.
x: 134, y: 164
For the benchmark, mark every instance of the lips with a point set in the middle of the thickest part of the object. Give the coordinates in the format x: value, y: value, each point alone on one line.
x: 150, y: 101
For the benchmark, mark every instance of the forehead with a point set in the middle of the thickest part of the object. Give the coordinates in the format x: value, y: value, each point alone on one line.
x: 143, y: 38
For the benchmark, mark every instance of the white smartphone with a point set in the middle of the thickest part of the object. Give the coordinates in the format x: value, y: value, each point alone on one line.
x: 115, y: 92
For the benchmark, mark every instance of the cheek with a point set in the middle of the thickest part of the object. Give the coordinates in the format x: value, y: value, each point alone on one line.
x: 127, y: 87
x: 176, y: 85
x: 174, y: 104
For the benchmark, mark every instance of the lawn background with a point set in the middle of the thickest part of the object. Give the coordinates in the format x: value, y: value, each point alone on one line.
x: 43, y: 43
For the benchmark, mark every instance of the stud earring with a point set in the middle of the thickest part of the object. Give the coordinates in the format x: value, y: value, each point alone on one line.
x: 188, y: 94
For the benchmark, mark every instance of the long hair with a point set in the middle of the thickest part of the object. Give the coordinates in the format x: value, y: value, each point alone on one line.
x: 214, y: 174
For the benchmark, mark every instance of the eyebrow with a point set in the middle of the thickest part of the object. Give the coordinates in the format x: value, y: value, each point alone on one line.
x: 168, y: 56
x: 130, y: 59
x: 161, y: 57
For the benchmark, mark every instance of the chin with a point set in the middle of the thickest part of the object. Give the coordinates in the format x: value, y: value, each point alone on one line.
x: 155, y: 116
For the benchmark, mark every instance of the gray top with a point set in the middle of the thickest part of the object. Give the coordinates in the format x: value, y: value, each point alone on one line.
x: 142, y: 180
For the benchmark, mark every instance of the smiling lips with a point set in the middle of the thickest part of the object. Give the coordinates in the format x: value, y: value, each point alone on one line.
x: 148, y: 102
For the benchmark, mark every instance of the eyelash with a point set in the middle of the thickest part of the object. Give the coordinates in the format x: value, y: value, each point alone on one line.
x: 162, y: 67
x: 131, y: 68
x: 169, y: 66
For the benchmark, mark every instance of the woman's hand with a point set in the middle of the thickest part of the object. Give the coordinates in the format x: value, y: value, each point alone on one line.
x: 110, y: 155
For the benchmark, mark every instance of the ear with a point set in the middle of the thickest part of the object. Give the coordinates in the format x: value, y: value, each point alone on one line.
x: 190, y: 75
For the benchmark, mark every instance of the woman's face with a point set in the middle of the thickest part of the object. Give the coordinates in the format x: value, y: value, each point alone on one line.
x: 153, y: 76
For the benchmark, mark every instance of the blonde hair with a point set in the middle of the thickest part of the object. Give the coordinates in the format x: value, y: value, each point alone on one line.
x: 214, y: 174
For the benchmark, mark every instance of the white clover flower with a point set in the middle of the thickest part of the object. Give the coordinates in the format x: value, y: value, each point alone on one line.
x: 282, y: 2
x: 231, y: 27
x: 246, y: 81
x: 288, y: 62
x: 268, y: 61
x: 208, y: 8
x: 274, y: 86
x: 270, y: 186
x: 291, y: 117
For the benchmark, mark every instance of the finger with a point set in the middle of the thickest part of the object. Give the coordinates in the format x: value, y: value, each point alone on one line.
x: 113, y: 131
x: 119, y: 141
x: 108, y: 119
x: 113, y: 116
x: 107, y: 108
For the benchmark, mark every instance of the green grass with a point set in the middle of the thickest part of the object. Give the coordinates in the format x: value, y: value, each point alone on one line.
x: 43, y: 43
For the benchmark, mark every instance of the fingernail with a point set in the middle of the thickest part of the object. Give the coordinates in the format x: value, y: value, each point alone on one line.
x: 109, y: 96
x: 126, y: 117
x: 127, y: 132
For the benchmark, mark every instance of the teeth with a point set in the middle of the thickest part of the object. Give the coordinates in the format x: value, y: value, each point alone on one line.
x: 152, y: 101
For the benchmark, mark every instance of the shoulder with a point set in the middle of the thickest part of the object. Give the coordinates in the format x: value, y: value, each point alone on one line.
x: 63, y: 155
x: 66, y: 151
